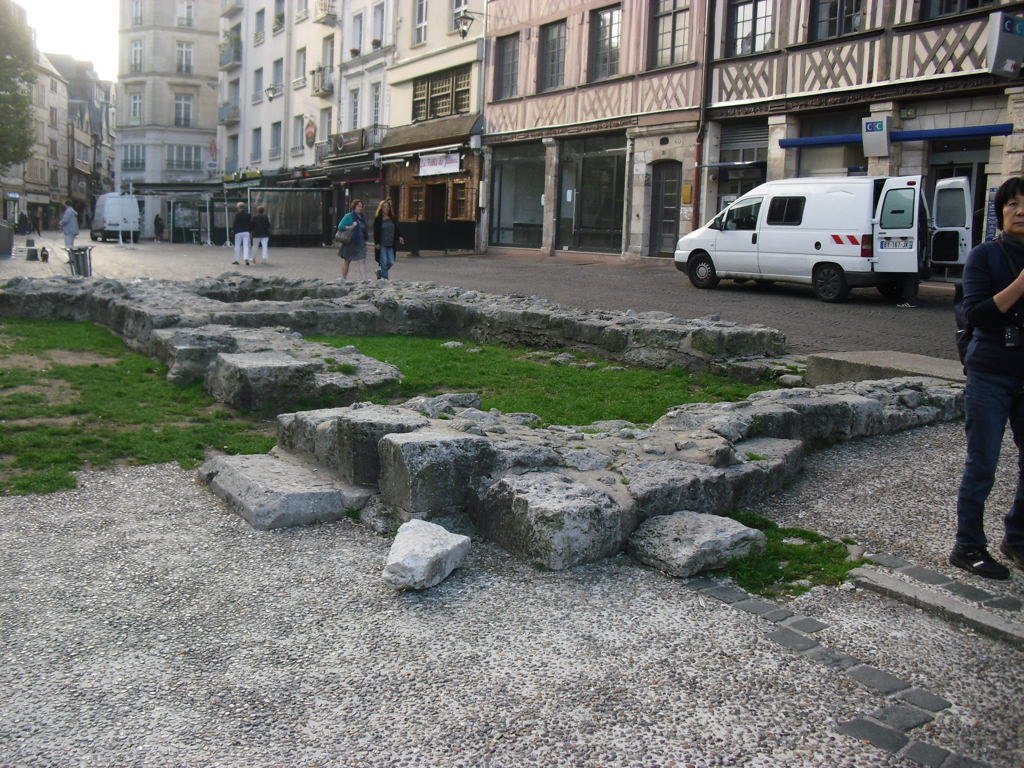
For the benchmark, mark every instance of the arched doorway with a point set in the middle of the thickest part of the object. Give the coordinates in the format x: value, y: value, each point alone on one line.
x: 665, y: 187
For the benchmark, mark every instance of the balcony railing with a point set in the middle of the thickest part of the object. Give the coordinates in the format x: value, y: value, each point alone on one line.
x: 298, y: 150
x: 257, y: 97
x: 299, y: 82
x: 302, y: 15
x: 324, y: 13
x: 228, y: 113
x: 183, y: 122
x: 373, y: 135
x: 186, y: 21
x: 257, y: 37
x: 274, y: 153
x: 323, y: 81
x: 231, y: 54
x: 230, y: 7
x: 278, y: 24
x: 256, y: 155
x: 133, y: 165
x: 321, y: 151
x: 184, y: 165
x: 275, y: 90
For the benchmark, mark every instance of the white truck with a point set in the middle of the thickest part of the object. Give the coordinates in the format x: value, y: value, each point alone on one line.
x: 116, y: 217
x: 834, y: 234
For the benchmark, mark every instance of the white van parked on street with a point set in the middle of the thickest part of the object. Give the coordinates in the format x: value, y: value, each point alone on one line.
x: 116, y: 216
x: 834, y: 234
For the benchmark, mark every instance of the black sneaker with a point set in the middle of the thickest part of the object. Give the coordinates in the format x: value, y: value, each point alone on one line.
x: 378, y: 274
x: 908, y: 305
x: 979, y: 562
x: 1015, y: 554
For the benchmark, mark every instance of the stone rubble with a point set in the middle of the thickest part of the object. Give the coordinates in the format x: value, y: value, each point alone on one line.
x: 684, y: 544
x: 423, y: 555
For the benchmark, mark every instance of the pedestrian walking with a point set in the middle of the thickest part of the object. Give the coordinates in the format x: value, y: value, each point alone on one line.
x: 241, y: 228
x: 36, y: 220
x: 69, y: 224
x: 993, y: 304
x: 354, y: 249
x: 158, y: 228
x: 260, y: 231
x: 385, y: 235
x: 22, y: 224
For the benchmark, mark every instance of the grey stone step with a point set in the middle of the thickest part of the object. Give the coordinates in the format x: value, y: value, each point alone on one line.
x: 277, y: 490
x: 835, y: 367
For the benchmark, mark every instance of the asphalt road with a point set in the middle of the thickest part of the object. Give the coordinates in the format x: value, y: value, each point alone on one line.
x: 866, y: 321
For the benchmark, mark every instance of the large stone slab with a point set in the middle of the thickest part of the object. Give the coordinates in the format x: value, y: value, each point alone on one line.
x: 664, y: 487
x: 423, y: 555
x: 250, y: 381
x: 834, y: 367
x: 360, y: 429
x: 433, y: 473
x: 688, y: 543
x: 271, y: 491
x: 550, y: 519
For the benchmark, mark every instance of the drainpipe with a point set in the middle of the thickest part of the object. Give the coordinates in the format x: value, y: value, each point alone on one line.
x: 705, y: 93
x: 286, y: 147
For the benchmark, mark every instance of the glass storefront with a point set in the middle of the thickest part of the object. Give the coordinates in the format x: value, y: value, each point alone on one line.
x: 517, y: 192
x: 592, y: 193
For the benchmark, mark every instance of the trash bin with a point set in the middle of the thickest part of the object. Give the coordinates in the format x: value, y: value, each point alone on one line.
x: 80, y: 260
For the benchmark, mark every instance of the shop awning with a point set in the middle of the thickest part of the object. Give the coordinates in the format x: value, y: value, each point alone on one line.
x: 431, y: 133
x: 934, y: 134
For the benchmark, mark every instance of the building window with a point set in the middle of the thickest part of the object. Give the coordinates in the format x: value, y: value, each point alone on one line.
x: 507, y: 70
x: 356, y: 43
x: 353, y: 105
x: 183, y: 110
x: 750, y: 26
x: 275, y: 141
x: 136, y: 57
x: 184, y: 158
x: 832, y: 18
x: 671, y: 32
x: 606, y: 26
x: 931, y: 9
x: 458, y: 6
x: 298, y: 132
x: 375, y: 105
x: 185, y: 58
x: 278, y: 72
x: 326, y: 122
x: 460, y: 201
x: 261, y: 24
x: 186, y: 14
x: 327, y: 55
x: 135, y: 106
x: 133, y: 158
x: 53, y: 117
x: 419, y: 31
x: 441, y: 94
x: 53, y: 148
x: 417, y: 203
x: 300, y: 63
x: 378, y: 22
x: 136, y: 13
x: 257, y: 86
x: 257, y: 146
x: 552, y: 56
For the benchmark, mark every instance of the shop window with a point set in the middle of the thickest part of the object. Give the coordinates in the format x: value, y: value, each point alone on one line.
x: 441, y: 94
x: 506, y: 84
x: 605, y: 31
x: 552, y: 56
x: 670, y: 32
x: 749, y: 26
x: 460, y: 202
x: 933, y: 9
x: 786, y: 211
x: 832, y: 18
x: 417, y: 203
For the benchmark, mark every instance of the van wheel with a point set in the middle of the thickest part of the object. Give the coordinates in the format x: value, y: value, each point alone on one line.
x: 702, y: 271
x: 891, y: 290
x: 830, y: 283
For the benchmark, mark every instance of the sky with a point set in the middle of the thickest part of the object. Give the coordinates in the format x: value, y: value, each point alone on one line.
x: 84, y: 29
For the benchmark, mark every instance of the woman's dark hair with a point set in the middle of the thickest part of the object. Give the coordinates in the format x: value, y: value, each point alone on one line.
x: 1009, y: 190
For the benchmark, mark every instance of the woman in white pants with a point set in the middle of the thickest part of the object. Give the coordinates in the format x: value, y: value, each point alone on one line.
x: 241, y: 228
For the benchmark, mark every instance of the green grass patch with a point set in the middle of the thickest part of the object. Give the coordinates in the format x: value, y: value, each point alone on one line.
x: 817, y: 560
x: 513, y: 383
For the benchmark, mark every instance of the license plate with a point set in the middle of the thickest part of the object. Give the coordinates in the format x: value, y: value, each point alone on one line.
x: 889, y: 245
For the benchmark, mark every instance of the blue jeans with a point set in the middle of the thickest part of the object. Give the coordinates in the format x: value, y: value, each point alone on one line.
x: 990, y: 400
x: 387, y: 260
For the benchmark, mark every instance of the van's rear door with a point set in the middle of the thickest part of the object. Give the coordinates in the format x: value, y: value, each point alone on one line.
x: 953, y: 222
x: 896, y: 237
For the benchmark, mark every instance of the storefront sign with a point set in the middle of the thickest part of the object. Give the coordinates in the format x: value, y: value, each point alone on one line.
x: 435, y: 165
x: 874, y: 133
x: 1005, y: 44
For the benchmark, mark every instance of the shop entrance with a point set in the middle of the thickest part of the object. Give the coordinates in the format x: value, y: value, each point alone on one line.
x: 665, y: 186
x: 966, y: 157
x: 592, y: 190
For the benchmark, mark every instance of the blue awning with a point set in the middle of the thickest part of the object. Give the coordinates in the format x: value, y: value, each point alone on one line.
x: 934, y: 134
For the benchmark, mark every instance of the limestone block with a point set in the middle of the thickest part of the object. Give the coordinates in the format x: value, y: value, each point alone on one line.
x: 431, y: 473
x: 688, y: 543
x: 584, y: 459
x: 664, y: 487
x: 518, y: 456
x: 252, y: 380
x: 551, y: 519
x: 190, y: 352
x: 359, y: 431
x: 422, y: 555
x: 448, y: 403
x: 768, y: 465
x: 298, y: 431
x: 270, y: 491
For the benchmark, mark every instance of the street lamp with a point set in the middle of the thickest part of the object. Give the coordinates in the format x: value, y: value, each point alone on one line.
x: 465, y: 20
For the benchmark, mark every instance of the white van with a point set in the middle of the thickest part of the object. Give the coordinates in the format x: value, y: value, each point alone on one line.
x: 834, y: 234
x: 116, y: 216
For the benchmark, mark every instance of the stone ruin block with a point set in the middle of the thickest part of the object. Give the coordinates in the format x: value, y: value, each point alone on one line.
x: 359, y: 430
x: 664, y: 487
x: 299, y: 431
x: 769, y: 464
x: 687, y: 543
x: 551, y: 519
x: 422, y: 555
x: 251, y: 381
x: 191, y: 352
x: 430, y: 473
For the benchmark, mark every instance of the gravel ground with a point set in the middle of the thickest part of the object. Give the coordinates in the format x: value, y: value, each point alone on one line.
x: 146, y: 625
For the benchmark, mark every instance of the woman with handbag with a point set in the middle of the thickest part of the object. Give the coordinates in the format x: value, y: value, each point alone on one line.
x: 353, y: 235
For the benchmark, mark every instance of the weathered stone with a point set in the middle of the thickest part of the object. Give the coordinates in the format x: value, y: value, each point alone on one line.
x: 431, y: 473
x: 422, y: 555
x: 664, y: 487
x: 190, y: 352
x: 687, y: 543
x: 550, y: 519
x: 448, y: 403
x: 518, y: 456
x: 271, y: 491
x: 252, y: 380
x: 358, y: 433
x: 769, y: 464
x: 298, y: 431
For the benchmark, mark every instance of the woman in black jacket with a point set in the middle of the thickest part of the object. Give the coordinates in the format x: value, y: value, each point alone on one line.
x: 260, y: 232
x: 385, y: 235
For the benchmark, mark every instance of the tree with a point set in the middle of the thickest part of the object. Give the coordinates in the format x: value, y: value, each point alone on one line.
x: 16, y: 79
